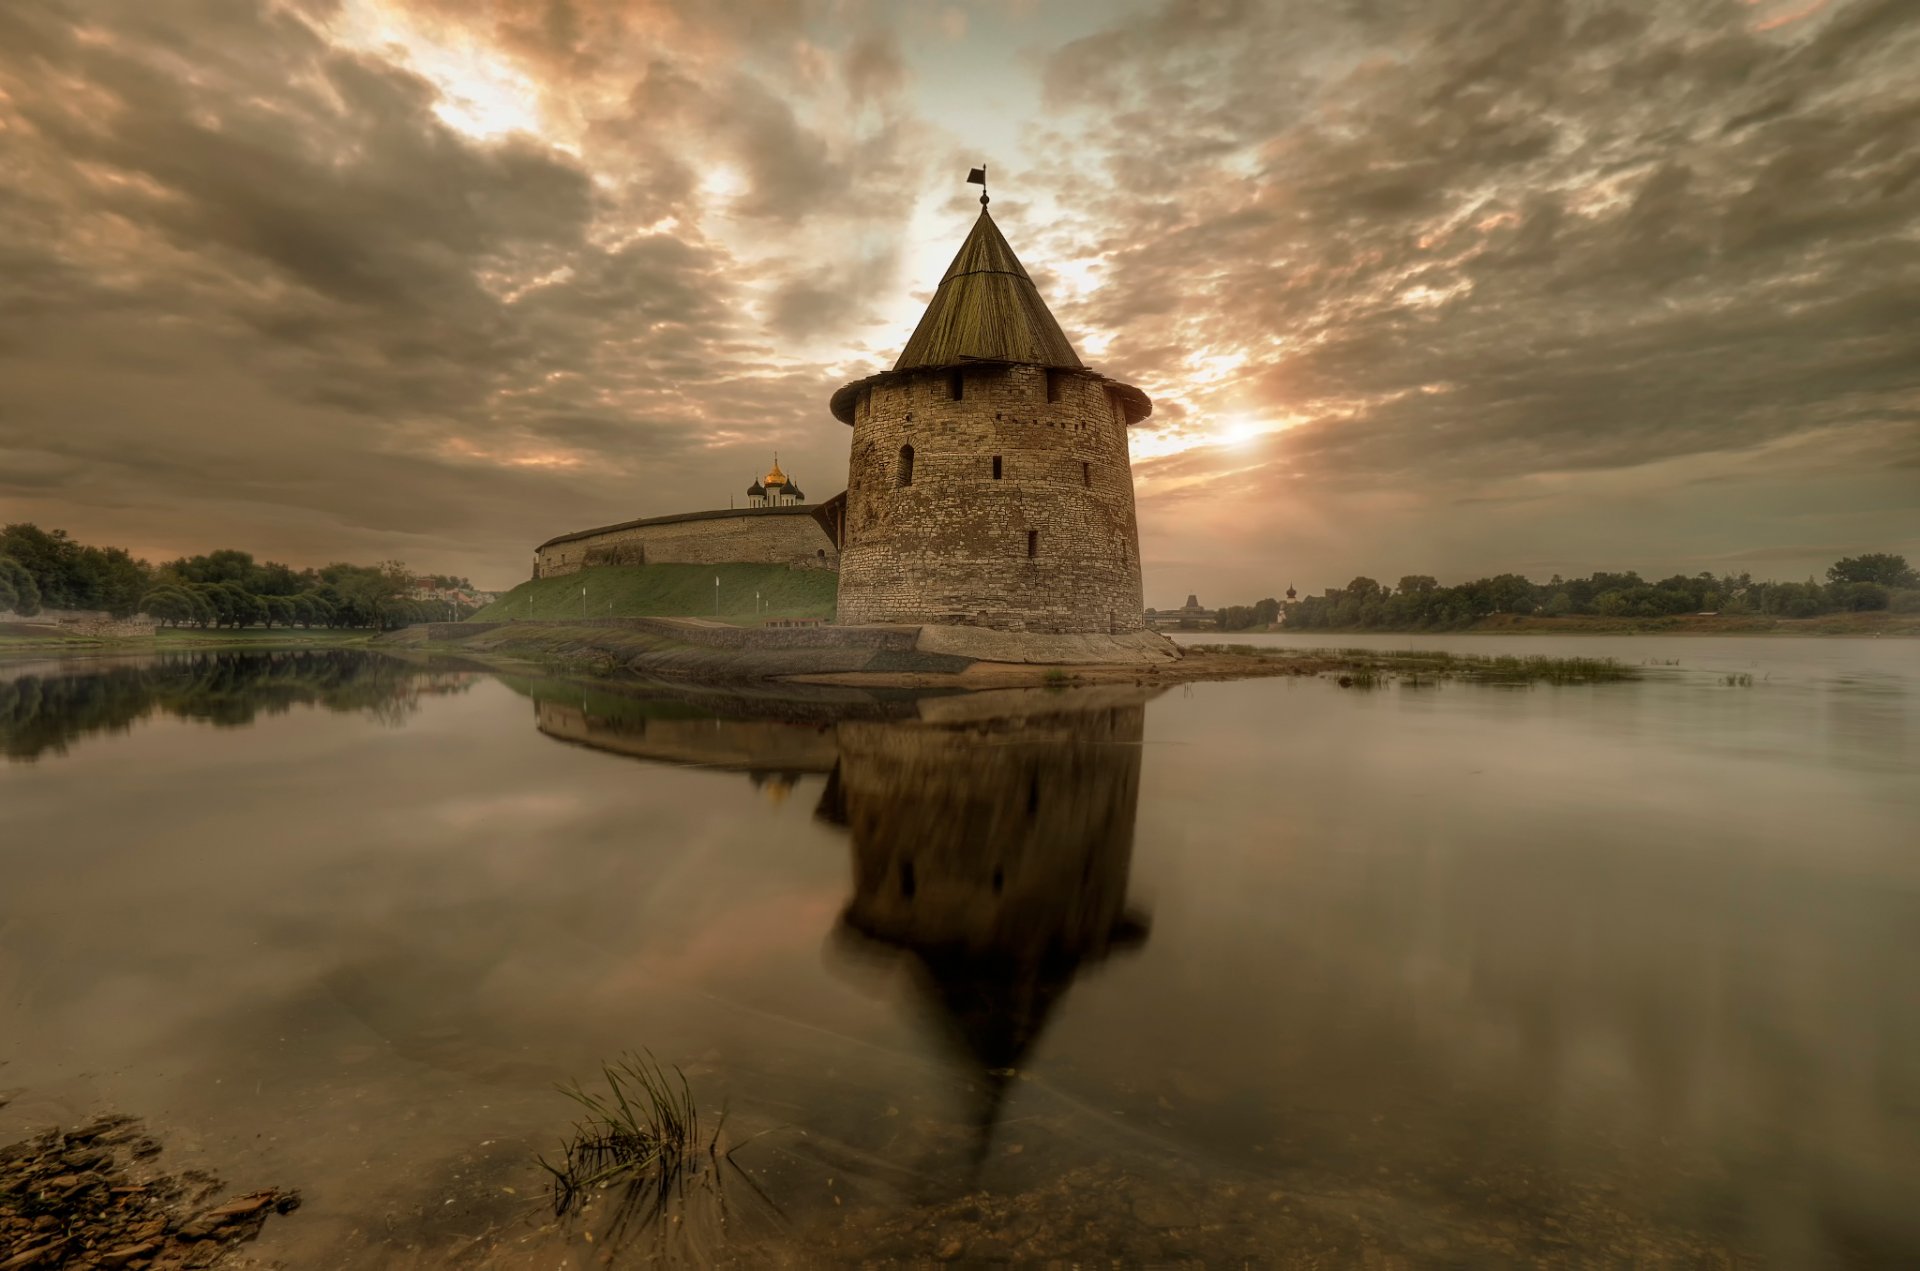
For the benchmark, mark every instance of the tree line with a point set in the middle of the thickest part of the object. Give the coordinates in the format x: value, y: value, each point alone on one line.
x: 1874, y: 581
x: 48, y: 569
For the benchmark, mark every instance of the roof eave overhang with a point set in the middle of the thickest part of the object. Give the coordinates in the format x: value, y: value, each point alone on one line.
x: 846, y: 401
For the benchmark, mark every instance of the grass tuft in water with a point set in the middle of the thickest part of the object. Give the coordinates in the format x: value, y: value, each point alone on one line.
x: 645, y: 1128
x: 1365, y: 668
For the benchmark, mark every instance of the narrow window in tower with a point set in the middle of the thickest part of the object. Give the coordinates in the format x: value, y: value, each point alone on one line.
x: 906, y: 466
x: 1053, y: 385
x: 956, y: 385
x: 996, y: 467
x: 1086, y: 475
x: 1033, y: 543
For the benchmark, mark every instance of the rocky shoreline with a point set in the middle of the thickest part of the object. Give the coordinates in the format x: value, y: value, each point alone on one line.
x: 873, y: 657
x: 90, y: 1197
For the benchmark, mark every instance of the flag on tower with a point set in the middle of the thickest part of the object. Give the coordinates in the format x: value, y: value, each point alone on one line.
x: 977, y: 177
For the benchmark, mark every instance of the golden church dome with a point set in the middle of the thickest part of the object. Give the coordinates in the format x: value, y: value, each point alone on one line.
x: 776, y: 477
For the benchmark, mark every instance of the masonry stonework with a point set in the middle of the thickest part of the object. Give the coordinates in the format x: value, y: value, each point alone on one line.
x: 770, y: 535
x: 1045, y: 541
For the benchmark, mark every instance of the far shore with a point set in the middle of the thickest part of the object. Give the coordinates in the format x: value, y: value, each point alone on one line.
x: 1864, y: 625
x: 23, y: 639
x: 601, y: 651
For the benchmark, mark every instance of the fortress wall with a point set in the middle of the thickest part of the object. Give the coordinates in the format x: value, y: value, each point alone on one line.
x: 773, y: 536
x: 952, y: 547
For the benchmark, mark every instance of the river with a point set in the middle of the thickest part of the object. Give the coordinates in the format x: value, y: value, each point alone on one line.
x: 1268, y: 971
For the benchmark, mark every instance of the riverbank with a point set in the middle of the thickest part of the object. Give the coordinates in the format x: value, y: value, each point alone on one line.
x: 950, y: 658
x: 1867, y: 625
x: 24, y: 639
x: 705, y: 651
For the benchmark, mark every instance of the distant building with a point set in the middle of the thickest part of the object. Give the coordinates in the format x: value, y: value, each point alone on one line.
x: 775, y: 490
x: 1188, y: 617
x: 424, y: 588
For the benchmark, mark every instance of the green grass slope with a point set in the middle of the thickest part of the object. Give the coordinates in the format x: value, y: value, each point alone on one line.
x: 671, y: 591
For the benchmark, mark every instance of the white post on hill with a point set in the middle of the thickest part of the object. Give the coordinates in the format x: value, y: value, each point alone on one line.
x: 716, y: 595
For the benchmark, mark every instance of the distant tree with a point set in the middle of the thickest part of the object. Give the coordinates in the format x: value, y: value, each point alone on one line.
x: 315, y: 609
x: 1508, y: 593
x: 209, y: 604
x: 224, y: 566
x: 372, y: 593
x: 1857, y: 597
x: 1361, y: 589
x: 1417, y: 584
x: 243, y: 607
x: 53, y: 560
x: 1266, y: 612
x: 1235, y: 618
x: 1883, y: 568
x: 222, y: 600
x: 18, y: 590
x: 170, y: 604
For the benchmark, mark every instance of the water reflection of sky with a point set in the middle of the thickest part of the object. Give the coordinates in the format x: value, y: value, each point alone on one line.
x: 1455, y: 971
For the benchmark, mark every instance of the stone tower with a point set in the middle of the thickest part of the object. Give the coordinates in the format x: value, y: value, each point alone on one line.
x: 989, y: 483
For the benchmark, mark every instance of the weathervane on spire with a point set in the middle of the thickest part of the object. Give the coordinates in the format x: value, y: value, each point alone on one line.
x: 979, y: 177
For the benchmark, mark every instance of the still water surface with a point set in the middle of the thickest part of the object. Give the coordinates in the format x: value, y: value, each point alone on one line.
x: 1236, y: 972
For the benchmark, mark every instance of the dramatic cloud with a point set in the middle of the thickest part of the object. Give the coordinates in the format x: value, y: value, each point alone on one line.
x: 1435, y: 286
x: 1456, y: 249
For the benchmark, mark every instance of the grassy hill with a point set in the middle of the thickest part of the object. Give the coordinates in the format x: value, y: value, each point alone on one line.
x: 672, y: 591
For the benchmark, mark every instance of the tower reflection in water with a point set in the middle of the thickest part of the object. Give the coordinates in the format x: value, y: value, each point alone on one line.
x: 992, y: 839
x: 991, y: 843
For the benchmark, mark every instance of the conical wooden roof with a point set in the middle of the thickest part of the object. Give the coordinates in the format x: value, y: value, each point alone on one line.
x: 986, y: 310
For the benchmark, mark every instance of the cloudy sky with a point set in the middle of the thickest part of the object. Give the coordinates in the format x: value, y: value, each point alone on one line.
x: 1438, y: 286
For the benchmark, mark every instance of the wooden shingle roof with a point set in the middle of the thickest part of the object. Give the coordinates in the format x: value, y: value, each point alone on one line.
x: 986, y: 309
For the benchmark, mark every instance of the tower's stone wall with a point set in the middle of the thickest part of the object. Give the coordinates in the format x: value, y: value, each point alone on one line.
x: 954, y: 545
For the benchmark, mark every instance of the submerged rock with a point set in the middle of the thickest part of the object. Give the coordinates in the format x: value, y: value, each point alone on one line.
x: 77, y: 1199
